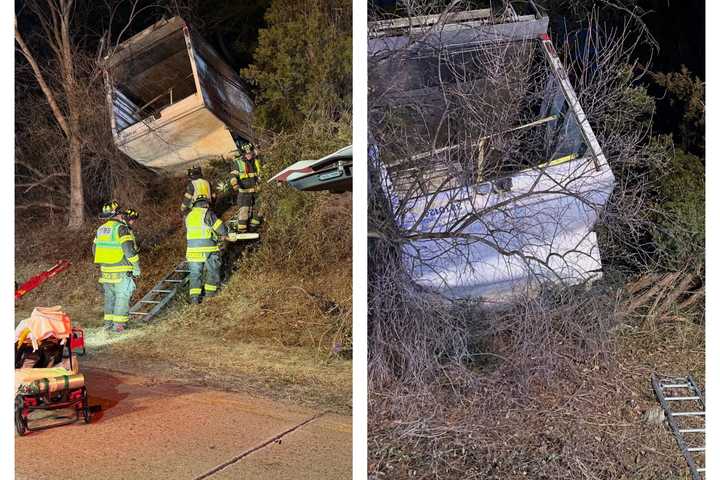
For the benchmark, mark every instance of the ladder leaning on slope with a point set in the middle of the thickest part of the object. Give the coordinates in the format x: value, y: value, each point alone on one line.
x: 154, y: 301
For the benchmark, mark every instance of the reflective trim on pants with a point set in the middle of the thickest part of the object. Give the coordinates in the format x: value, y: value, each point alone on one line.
x: 209, y: 269
x: 117, y: 299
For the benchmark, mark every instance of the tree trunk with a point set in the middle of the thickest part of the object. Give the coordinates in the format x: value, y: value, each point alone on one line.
x: 57, y: 28
x: 77, y: 198
x: 77, y: 202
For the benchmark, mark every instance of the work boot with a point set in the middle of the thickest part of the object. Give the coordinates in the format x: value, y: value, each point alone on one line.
x: 195, y: 300
x: 118, y: 328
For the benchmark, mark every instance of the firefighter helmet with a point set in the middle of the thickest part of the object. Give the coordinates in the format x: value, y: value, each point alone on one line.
x: 194, y: 172
x: 131, y: 214
x: 200, y: 198
x: 110, y: 209
x: 247, y: 147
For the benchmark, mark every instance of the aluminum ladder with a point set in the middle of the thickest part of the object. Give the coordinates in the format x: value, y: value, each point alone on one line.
x: 165, y: 290
x: 684, y: 406
x: 160, y: 295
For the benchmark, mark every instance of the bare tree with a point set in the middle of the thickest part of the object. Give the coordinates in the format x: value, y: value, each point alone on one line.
x: 54, y: 19
x: 68, y: 74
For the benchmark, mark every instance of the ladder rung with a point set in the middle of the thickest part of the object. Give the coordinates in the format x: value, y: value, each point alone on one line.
x: 182, y: 271
x: 162, y: 291
x: 679, y: 399
x: 173, y: 281
x: 149, y: 301
x: 687, y: 414
x: 139, y: 313
x: 696, y: 449
x: 676, y: 385
x: 692, y: 430
x: 701, y: 470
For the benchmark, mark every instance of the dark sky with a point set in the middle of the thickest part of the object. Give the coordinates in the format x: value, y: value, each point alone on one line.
x: 677, y: 25
x: 230, y: 26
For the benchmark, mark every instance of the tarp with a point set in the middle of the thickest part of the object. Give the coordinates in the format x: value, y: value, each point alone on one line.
x: 44, y: 322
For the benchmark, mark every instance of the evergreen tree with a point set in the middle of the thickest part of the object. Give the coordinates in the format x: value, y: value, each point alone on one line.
x: 302, y: 66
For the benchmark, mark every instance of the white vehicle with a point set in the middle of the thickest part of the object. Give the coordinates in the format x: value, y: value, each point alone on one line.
x: 173, y: 101
x: 486, y: 209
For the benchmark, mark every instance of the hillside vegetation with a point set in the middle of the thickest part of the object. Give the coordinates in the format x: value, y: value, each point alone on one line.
x: 556, y: 384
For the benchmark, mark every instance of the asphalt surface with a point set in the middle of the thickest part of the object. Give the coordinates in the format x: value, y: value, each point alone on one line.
x: 157, y: 430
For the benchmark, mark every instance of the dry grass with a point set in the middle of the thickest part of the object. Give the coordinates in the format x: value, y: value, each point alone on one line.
x: 163, y: 350
x: 585, y: 423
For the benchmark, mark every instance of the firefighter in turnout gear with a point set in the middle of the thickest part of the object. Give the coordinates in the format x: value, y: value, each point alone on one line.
x: 244, y: 180
x: 115, y: 250
x: 204, y: 232
x: 196, y: 186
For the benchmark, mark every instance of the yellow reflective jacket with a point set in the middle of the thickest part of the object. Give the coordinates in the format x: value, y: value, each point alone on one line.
x: 203, y: 229
x: 114, y: 247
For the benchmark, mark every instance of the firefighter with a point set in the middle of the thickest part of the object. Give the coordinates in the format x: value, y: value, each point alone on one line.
x: 196, y: 186
x: 244, y: 180
x: 204, y: 232
x: 115, y: 249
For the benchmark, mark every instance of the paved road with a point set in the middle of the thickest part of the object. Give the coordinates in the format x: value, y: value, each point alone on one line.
x: 155, y: 430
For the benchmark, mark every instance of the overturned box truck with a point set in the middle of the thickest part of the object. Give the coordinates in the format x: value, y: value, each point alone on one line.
x: 173, y: 101
x: 491, y: 171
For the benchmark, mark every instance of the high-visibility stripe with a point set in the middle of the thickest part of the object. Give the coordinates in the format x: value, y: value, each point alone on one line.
x: 187, y: 195
x: 195, y: 292
x: 104, y: 244
x: 210, y: 288
x: 120, y: 318
x: 134, y: 259
x: 208, y: 249
x: 203, y: 232
x: 109, y: 280
x: 196, y: 257
x: 116, y: 268
x: 218, y: 223
x: 108, y: 317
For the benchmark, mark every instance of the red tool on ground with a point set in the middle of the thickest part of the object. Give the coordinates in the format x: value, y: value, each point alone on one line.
x: 39, y: 279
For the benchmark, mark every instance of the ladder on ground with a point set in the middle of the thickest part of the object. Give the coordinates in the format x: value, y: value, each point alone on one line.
x: 160, y: 295
x: 165, y: 290
x: 684, y: 407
